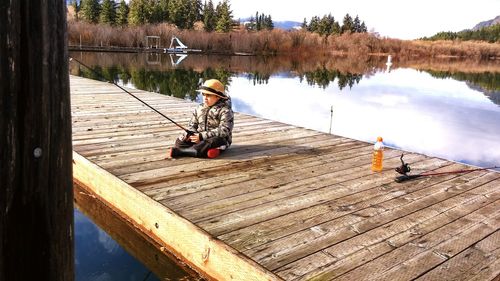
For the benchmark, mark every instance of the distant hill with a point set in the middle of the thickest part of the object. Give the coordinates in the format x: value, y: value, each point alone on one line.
x: 287, y: 25
x: 487, y: 23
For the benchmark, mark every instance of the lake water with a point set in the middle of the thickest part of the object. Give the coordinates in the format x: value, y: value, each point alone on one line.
x: 449, y: 109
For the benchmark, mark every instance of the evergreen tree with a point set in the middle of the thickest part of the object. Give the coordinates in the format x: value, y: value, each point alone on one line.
x: 122, y: 14
x: 139, y: 12
x: 363, y: 27
x: 193, y: 13
x: 314, y: 24
x: 356, y: 25
x: 198, y: 6
x: 268, y: 22
x: 336, y: 29
x: 76, y: 8
x: 108, y: 12
x: 90, y: 10
x: 325, y: 25
x: 347, y: 25
x: 209, y: 16
x: 178, y: 13
x: 159, y: 11
x: 304, y: 24
x: 224, y: 16
x: 257, y: 22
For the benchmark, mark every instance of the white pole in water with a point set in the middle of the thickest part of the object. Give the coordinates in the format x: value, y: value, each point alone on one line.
x: 388, y: 63
x: 331, y: 118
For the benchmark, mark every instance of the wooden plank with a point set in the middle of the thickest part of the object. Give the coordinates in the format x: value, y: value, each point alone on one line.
x: 430, y: 258
x: 285, y: 187
x: 330, y: 182
x: 150, y: 176
x: 353, y: 202
x: 386, y: 244
x: 266, y: 182
x: 468, y: 263
x: 188, y: 242
x: 180, y: 188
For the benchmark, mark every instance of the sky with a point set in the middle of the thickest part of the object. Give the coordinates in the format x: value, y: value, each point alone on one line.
x: 390, y: 18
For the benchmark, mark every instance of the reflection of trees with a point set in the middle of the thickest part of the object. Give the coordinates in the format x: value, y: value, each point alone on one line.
x: 180, y: 83
x: 485, y: 82
x: 258, y: 78
x: 323, y: 77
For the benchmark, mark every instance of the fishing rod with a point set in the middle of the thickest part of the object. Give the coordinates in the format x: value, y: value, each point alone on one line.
x: 404, y: 169
x: 189, y: 132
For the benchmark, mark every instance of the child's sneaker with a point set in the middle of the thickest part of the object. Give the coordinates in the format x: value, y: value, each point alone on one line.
x: 213, y: 152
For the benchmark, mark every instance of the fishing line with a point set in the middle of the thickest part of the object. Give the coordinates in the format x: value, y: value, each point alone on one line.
x: 112, y: 82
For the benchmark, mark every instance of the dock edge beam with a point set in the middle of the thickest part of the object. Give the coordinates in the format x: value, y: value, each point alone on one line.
x: 209, y: 256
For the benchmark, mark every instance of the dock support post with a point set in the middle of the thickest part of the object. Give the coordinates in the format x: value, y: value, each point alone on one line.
x: 36, y: 194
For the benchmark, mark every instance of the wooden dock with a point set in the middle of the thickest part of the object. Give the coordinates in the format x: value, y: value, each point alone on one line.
x: 284, y: 202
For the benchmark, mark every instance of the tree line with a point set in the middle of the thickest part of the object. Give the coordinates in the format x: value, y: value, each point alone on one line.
x: 490, y: 34
x: 260, y: 22
x: 186, y: 14
x: 327, y: 25
x: 182, y: 13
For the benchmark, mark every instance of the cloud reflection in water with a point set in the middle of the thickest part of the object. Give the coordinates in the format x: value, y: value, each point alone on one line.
x: 410, y: 109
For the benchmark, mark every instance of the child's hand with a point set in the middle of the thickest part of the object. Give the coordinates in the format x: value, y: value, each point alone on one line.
x: 195, y: 138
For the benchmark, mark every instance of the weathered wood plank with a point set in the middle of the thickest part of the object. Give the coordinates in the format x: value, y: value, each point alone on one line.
x: 286, y: 188
x: 252, y: 179
x: 394, y: 237
x: 470, y: 262
x: 354, y: 202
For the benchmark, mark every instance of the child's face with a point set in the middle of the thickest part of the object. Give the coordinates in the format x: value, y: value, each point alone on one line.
x: 210, y: 100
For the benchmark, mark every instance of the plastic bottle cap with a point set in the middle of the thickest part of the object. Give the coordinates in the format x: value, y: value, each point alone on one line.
x: 379, y: 139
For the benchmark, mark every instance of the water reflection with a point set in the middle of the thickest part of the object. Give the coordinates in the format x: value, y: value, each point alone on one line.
x: 98, y: 257
x: 410, y: 109
x: 486, y: 82
x: 107, y: 248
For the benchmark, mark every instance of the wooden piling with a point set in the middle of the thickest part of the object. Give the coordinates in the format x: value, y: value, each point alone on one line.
x: 36, y: 195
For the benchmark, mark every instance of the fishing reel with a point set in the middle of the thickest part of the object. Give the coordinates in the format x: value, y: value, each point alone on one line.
x: 404, y: 169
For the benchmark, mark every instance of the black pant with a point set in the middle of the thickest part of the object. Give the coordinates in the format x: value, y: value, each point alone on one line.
x: 203, y: 146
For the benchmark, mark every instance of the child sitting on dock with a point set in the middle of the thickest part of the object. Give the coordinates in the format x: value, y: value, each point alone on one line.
x: 211, y: 125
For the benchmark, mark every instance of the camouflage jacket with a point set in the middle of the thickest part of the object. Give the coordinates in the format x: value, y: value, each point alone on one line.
x: 214, y: 121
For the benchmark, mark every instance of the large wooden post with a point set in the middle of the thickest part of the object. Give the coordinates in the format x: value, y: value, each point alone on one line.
x: 36, y: 195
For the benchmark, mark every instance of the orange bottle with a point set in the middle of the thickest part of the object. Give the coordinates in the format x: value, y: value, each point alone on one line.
x: 378, y: 155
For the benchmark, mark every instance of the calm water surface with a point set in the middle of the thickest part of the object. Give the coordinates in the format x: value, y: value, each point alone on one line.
x: 100, y: 258
x: 411, y: 110
x: 452, y: 115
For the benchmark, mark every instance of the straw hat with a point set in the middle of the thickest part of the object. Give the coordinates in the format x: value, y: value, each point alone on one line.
x: 213, y: 87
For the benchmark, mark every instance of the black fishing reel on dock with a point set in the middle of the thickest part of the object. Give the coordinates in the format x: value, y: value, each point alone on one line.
x: 404, y: 169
